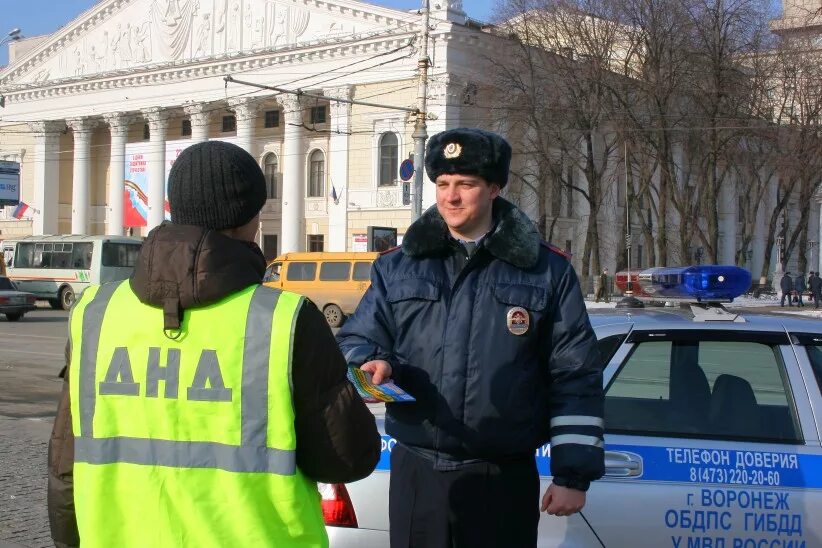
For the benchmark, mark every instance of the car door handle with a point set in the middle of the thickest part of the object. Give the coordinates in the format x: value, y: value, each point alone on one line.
x: 622, y: 464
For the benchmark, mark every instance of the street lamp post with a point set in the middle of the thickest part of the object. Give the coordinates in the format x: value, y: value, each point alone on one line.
x: 14, y: 34
x: 628, y: 300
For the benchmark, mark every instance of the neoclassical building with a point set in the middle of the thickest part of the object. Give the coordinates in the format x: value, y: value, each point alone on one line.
x: 97, y: 112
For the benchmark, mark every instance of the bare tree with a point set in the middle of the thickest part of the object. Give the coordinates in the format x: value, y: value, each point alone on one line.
x: 556, y: 72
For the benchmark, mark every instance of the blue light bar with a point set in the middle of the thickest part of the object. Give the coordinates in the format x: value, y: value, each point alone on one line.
x: 701, y: 283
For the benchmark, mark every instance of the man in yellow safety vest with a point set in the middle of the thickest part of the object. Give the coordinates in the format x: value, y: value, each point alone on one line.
x: 200, y: 407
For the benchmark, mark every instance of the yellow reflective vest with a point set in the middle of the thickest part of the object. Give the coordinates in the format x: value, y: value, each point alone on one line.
x: 187, y: 441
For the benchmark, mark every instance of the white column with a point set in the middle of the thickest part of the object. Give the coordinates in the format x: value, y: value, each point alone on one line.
x: 46, y: 175
x: 728, y: 212
x: 293, y: 233
x: 118, y: 124
x: 83, y: 129
x: 245, y: 111
x: 338, y: 168
x: 200, y: 117
x: 157, y: 119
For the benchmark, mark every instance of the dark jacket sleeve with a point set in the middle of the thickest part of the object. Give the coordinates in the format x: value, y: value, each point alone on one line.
x: 60, y: 494
x: 369, y: 333
x: 337, y: 437
x: 577, y: 400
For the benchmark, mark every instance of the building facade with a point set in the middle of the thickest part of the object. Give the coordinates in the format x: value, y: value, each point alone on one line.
x: 97, y: 112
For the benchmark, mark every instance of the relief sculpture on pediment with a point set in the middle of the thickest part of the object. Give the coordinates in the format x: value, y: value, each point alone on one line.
x: 172, y: 22
x: 284, y: 24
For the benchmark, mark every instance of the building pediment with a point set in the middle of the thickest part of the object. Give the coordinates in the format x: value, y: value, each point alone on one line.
x: 117, y: 36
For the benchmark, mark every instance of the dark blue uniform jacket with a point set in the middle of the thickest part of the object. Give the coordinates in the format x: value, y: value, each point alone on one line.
x: 483, y: 391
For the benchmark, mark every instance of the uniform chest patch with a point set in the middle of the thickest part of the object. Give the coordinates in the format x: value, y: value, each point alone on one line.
x: 518, y: 320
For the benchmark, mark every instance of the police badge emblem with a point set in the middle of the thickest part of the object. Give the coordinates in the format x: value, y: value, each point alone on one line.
x: 518, y: 320
x: 452, y: 150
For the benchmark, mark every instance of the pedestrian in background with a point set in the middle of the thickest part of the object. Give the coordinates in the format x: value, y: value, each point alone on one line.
x: 786, y: 285
x: 816, y: 289
x: 201, y: 407
x: 799, y: 288
x: 603, y: 289
x: 486, y: 326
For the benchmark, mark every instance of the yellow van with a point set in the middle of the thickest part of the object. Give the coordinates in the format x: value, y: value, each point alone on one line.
x: 335, y: 281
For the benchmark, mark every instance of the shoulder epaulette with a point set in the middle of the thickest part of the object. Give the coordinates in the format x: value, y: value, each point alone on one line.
x: 387, y: 251
x: 557, y: 250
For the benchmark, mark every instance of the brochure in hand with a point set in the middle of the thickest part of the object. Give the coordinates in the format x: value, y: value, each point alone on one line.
x: 374, y: 393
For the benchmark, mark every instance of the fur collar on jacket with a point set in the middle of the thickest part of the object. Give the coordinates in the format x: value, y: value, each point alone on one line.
x: 514, y: 238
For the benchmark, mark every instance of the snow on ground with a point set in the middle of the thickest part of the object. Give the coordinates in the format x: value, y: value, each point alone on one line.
x: 739, y: 302
x: 801, y: 312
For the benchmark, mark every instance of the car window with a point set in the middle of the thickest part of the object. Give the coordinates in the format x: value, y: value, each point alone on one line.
x: 362, y: 271
x: 81, y: 255
x: 714, y: 389
x: 301, y: 271
x: 272, y: 273
x: 608, y: 346
x: 120, y: 254
x: 6, y: 285
x: 335, y: 272
x: 813, y: 346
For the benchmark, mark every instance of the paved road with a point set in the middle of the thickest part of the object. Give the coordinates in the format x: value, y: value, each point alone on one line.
x: 31, y: 355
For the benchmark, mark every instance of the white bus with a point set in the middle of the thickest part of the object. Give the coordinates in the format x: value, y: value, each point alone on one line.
x: 58, y: 268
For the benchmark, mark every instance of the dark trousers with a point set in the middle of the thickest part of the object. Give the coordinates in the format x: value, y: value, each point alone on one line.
x: 789, y: 297
x: 481, y: 505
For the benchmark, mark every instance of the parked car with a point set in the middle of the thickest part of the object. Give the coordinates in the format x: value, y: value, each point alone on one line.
x: 335, y: 281
x: 712, y: 439
x: 13, y: 303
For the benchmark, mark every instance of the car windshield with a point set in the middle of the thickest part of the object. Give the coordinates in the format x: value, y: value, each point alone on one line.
x: 6, y: 285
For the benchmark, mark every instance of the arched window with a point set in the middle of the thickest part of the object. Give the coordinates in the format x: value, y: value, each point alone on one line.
x: 316, y: 174
x: 270, y: 167
x: 389, y: 152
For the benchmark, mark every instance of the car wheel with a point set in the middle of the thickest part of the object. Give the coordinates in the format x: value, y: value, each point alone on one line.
x: 66, y: 298
x: 55, y: 304
x: 334, y: 315
x: 14, y: 317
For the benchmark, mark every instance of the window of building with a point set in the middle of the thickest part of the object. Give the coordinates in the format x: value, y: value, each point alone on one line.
x: 270, y: 246
x: 270, y: 168
x: 316, y: 242
x: 229, y: 123
x: 146, y: 132
x: 185, y: 131
x: 318, y: 114
x: 301, y: 271
x: 568, y: 245
x: 687, y: 387
x: 639, y: 254
x: 569, y: 193
x: 335, y: 272
x: 362, y: 271
x: 389, y: 154
x: 272, y: 118
x: 316, y: 174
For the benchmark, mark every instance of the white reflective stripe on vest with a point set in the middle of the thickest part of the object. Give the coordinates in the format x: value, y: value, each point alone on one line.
x: 251, y: 455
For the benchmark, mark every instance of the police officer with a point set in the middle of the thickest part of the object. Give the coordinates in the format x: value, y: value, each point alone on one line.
x: 201, y: 406
x: 486, y: 326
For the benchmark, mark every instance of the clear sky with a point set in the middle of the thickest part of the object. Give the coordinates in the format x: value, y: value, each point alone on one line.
x: 35, y: 17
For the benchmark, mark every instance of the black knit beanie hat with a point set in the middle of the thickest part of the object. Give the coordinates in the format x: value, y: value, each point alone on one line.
x: 215, y: 185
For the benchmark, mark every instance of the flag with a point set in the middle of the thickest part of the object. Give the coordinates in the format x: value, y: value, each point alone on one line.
x: 334, y: 194
x: 20, y: 210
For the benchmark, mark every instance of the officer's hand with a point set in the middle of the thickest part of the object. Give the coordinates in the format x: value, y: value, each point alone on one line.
x: 380, y: 370
x: 562, y: 501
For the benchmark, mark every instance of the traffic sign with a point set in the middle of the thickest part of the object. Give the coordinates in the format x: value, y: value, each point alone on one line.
x: 406, y: 170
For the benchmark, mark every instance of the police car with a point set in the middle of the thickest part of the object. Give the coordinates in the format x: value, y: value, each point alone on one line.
x: 713, y: 423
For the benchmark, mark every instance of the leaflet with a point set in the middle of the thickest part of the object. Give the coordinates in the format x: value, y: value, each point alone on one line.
x: 374, y: 393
